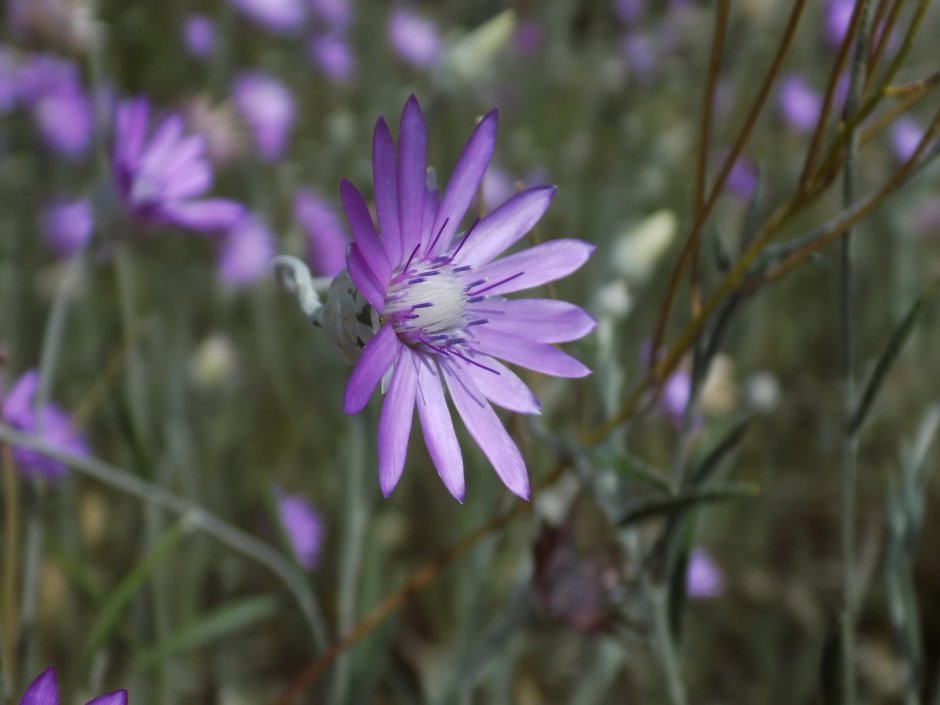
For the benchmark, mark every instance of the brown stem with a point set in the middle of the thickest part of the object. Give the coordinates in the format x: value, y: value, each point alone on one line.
x: 882, y: 35
x: 726, y: 166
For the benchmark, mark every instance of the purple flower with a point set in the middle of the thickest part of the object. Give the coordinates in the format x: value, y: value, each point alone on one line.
x: 440, y: 298
x: 268, y: 109
x: 528, y: 38
x: 332, y: 54
x: 629, y: 11
x: 639, y: 53
x: 336, y: 13
x: 45, y: 691
x: 703, y: 577
x: 159, y: 178
x: 67, y: 226
x: 303, y: 527
x: 326, y: 235
x: 60, y: 107
x: 799, y: 104
x: 905, y: 136
x: 198, y: 35
x: 742, y: 179
x: 414, y: 38
x: 281, y: 16
x: 675, y: 395
x: 52, y: 425
x: 246, y: 252
x: 836, y: 24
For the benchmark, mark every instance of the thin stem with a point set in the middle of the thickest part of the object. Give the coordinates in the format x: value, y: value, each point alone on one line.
x: 849, y: 452
x: 726, y: 167
x: 11, y: 549
x: 714, y: 65
x: 882, y: 36
x: 418, y: 580
x: 847, y: 42
x: 221, y: 530
x: 665, y: 645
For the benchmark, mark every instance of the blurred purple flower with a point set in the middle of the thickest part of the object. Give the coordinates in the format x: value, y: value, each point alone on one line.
x: 326, y: 235
x: 639, y: 53
x: 440, y: 295
x: 332, y: 54
x: 52, y: 425
x: 335, y: 13
x: 905, y: 135
x: 703, y: 577
x: 67, y: 226
x: 629, y: 11
x: 742, y: 179
x: 303, y: 527
x: 199, y: 35
x: 414, y: 38
x: 528, y: 38
x: 497, y: 187
x: 52, y: 90
x: 267, y: 107
x: 675, y: 395
x: 45, y: 691
x: 281, y: 16
x: 799, y: 104
x: 160, y: 179
x: 836, y: 23
x: 246, y: 252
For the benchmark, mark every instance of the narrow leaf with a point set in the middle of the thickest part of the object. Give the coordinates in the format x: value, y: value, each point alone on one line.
x: 890, y: 354
x: 116, y: 602
x: 675, y: 505
x: 218, y: 624
x: 637, y: 469
x: 706, y: 468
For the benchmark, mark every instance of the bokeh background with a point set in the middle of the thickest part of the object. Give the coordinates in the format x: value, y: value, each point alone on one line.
x: 180, y: 360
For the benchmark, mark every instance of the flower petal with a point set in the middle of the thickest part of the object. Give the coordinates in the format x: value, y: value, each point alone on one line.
x: 117, y: 697
x: 412, y: 168
x: 431, y: 203
x: 367, y: 239
x: 206, y: 215
x: 545, y: 320
x: 505, y: 226
x: 385, y: 187
x: 486, y: 429
x: 464, y: 182
x: 377, y: 356
x: 502, y: 387
x: 42, y: 691
x: 438, y: 428
x: 527, y: 353
x: 364, y: 278
x: 529, y: 268
x: 130, y: 130
x: 395, y: 421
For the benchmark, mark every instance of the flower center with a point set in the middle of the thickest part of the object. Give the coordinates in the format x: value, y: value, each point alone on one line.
x: 426, y: 304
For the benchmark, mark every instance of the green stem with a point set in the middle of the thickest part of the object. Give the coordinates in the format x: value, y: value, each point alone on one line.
x: 198, y: 516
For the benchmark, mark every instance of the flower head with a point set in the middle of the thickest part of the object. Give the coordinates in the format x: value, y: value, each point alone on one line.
x: 799, y: 104
x: 703, y: 577
x: 414, y: 38
x: 45, y: 691
x: 332, y: 54
x: 303, y: 527
x: 198, y: 35
x: 267, y: 107
x: 159, y: 178
x: 326, y: 236
x: 56, y: 98
x: 439, y: 295
x: 51, y: 423
x: 280, y: 16
x: 67, y: 226
x: 247, y: 249
x: 905, y: 136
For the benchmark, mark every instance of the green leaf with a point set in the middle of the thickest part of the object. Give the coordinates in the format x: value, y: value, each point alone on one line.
x: 637, y: 469
x: 690, y: 500
x: 890, y: 354
x: 218, y: 624
x: 706, y: 468
x: 116, y: 602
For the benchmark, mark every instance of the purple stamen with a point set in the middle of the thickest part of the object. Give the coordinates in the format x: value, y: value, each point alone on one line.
x: 464, y: 240
x: 438, y: 236
x: 413, y: 253
x: 499, y: 283
x: 426, y: 304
